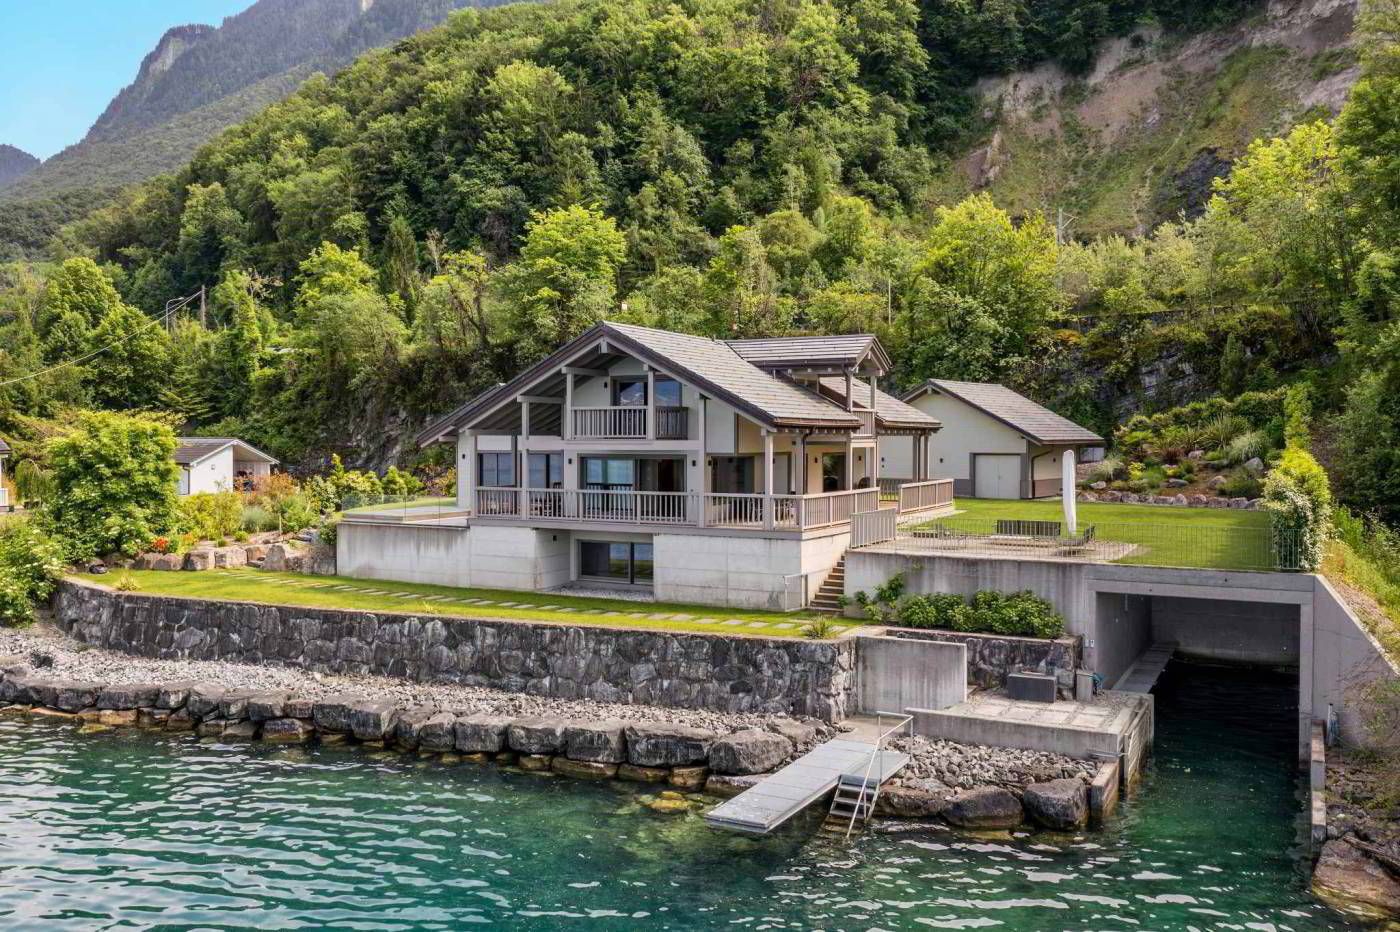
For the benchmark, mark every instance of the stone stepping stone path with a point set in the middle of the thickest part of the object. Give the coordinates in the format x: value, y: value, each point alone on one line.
x: 568, y: 608
x: 706, y: 621
x: 633, y: 614
x: 758, y: 624
x: 682, y: 617
x: 435, y: 598
x: 732, y: 623
x: 785, y: 625
x: 659, y: 616
x: 612, y: 614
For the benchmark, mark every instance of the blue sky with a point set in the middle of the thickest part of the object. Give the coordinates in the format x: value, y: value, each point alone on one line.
x: 61, y: 61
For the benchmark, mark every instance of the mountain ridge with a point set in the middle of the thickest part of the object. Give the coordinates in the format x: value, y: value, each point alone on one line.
x: 15, y: 163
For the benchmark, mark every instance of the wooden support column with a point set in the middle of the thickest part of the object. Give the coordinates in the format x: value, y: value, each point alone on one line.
x: 704, y: 485
x: 651, y: 403
x: 468, y: 468
x: 523, y: 466
x: 768, y: 478
x: 850, y: 463
x: 850, y: 392
x: 568, y: 425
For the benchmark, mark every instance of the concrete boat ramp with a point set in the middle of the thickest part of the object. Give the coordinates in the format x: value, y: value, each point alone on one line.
x: 767, y: 805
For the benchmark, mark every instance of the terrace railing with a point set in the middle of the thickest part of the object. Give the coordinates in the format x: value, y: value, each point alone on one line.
x: 614, y: 423
x: 1183, y: 545
x: 399, y: 508
x: 925, y: 496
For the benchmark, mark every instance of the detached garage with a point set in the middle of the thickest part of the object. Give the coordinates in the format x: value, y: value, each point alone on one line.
x: 995, y: 443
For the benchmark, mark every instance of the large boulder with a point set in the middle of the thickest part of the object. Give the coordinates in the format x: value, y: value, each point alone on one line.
x: 266, y: 706
x: 373, y: 719
x: 204, y: 699
x: 230, y: 557
x: 332, y: 714
x: 409, y: 726
x: 749, y: 751
x: 233, y: 706
x: 286, y: 731
x: 167, y: 562
x: 985, y: 807
x: 173, y: 695
x: 283, y: 558
x: 481, y: 733
x: 536, y: 735
x: 128, y: 696
x: 914, y: 799
x: 74, y: 697
x: 662, y: 744
x: 199, y: 560
x: 598, y: 742
x: 1062, y: 805
x: 1352, y: 882
x: 438, y: 733
x: 802, y: 734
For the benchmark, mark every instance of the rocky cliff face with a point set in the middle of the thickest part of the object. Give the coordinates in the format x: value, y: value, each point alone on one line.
x: 15, y: 164
x: 1142, y: 136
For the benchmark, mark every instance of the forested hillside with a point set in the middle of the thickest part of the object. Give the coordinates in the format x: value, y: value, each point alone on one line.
x: 14, y: 164
x: 196, y: 82
x: 388, y: 242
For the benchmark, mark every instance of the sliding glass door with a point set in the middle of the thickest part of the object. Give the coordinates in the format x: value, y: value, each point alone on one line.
x: 616, y: 561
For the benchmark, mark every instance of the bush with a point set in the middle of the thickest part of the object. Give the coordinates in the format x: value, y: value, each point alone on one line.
x: 1247, y: 446
x: 31, y: 563
x: 819, y: 629
x: 1297, y: 416
x: 115, y: 479
x: 211, y: 515
x: 1241, y: 483
x: 257, y: 519
x: 1105, y: 470
x: 1019, y: 614
x: 1299, y: 499
x: 330, y: 530
x: 1219, y: 431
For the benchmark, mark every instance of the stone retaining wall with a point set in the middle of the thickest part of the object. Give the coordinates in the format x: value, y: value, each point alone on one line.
x: 990, y: 657
x: 671, y: 669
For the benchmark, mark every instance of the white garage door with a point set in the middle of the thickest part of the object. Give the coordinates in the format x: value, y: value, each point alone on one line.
x: 997, y: 476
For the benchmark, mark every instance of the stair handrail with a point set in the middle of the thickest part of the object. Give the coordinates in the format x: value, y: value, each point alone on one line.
x: 905, y: 719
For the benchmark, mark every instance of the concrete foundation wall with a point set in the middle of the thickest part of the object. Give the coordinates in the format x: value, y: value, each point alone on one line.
x: 661, y: 668
x: 739, y: 572
x: 1123, y: 626
x: 440, y: 556
x: 1346, y: 662
x: 1228, y: 630
x: 895, y: 674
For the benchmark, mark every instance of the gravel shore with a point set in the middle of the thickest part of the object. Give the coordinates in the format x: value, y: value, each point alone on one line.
x: 52, y: 653
x: 963, y: 766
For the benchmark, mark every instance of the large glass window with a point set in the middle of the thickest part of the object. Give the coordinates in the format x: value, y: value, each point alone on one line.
x: 546, y: 470
x: 497, y: 470
x: 668, y: 393
x: 630, y: 393
x: 619, y: 561
x: 609, y: 473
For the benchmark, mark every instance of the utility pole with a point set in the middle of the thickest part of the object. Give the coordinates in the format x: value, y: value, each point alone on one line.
x: 203, y: 315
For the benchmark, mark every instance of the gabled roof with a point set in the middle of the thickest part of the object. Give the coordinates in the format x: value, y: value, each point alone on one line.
x: 709, y: 365
x: 4, y: 447
x: 889, y: 410
x: 1037, y: 422
x: 822, y: 352
x: 191, y: 450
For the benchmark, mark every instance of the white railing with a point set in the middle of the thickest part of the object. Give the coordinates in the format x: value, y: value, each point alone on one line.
x: 4, y: 497
x: 610, y: 505
x: 672, y: 423
x: 921, y: 496
x: 817, y: 511
x: 721, y: 510
x: 867, y: 423
x: 615, y: 423
x: 874, y: 527
x: 902, y: 721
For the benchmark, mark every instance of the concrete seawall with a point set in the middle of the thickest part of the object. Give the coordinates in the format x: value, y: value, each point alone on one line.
x: 677, y: 670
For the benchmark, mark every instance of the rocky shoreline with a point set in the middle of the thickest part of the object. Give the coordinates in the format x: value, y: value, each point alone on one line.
x: 44, y: 674
x: 1358, y: 868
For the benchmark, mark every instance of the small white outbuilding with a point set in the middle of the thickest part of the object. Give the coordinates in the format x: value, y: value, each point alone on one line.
x: 219, y: 464
x: 995, y: 443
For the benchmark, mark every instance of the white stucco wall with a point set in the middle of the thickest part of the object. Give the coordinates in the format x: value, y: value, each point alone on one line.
x: 965, y: 431
x: 213, y: 474
x: 738, y: 572
x: 421, y: 554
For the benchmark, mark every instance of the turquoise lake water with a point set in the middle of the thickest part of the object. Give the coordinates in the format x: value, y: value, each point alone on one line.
x: 138, y: 831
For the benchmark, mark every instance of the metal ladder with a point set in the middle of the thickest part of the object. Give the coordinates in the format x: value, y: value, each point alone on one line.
x: 856, y: 794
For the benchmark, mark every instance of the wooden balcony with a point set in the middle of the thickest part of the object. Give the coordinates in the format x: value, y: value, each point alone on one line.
x: 689, y: 509
x: 630, y: 423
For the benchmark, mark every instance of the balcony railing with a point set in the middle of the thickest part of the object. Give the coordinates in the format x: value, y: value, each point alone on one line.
x: 738, y: 511
x: 630, y: 423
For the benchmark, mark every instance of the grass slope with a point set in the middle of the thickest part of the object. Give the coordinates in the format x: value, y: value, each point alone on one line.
x: 375, y: 595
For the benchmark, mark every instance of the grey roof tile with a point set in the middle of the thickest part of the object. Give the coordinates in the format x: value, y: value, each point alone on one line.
x: 1015, y: 410
x: 818, y: 351
x: 193, y: 449
x: 890, y: 410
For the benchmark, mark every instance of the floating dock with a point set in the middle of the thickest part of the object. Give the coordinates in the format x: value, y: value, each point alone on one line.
x: 767, y: 805
x: 1145, y: 671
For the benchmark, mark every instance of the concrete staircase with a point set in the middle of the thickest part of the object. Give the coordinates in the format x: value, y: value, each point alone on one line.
x: 828, y: 597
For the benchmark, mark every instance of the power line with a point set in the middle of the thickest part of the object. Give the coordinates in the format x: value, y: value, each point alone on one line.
x: 170, y: 308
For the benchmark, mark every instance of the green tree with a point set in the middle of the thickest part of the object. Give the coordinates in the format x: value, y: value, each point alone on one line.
x: 132, y: 366
x: 330, y: 270
x: 566, y: 278
x: 401, y: 263
x: 115, y: 484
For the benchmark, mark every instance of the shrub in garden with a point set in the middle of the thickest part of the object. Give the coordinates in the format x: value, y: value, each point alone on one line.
x: 1247, y: 446
x: 211, y: 515
x: 1020, y: 614
x: 31, y: 563
x: 1219, y: 431
x: 114, y: 484
x: 1240, y: 483
x: 1299, y: 499
x: 257, y: 519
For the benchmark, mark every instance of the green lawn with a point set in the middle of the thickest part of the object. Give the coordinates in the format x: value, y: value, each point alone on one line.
x: 322, y: 592
x: 1215, y: 538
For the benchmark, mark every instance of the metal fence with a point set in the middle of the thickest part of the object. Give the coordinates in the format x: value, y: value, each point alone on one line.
x: 400, y: 508
x: 1182, y: 545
